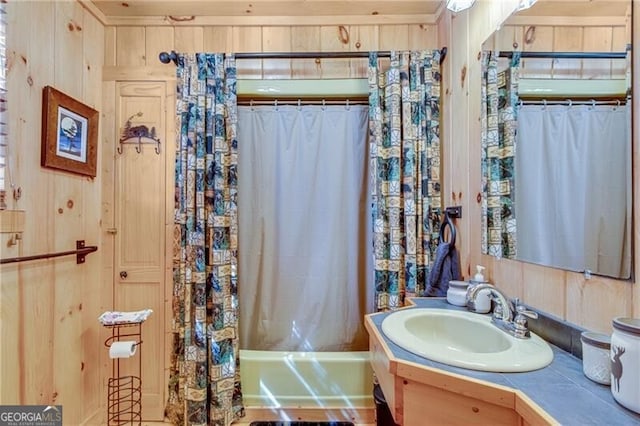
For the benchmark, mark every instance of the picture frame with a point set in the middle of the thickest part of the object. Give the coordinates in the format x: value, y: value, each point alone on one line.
x: 69, y: 134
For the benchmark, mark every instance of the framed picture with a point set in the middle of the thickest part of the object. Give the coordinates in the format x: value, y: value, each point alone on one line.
x: 69, y: 134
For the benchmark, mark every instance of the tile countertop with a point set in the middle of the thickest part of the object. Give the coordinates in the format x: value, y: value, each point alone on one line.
x: 561, y: 388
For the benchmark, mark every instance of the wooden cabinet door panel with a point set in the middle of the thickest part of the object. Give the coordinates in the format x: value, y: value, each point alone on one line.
x: 140, y: 242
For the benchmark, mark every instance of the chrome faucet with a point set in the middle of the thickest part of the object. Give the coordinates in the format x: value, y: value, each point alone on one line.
x: 510, y: 317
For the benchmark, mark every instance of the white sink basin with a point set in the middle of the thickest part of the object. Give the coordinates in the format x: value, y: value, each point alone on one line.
x: 464, y: 339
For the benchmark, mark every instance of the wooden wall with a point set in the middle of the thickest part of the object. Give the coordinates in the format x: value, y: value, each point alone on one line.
x: 52, y: 349
x: 566, y: 38
x: 51, y: 343
x: 139, y: 46
x: 591, y: 303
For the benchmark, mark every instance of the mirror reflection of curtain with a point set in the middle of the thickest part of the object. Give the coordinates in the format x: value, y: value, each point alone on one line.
x: 404, y: 114
x: 574, y: 164
x: 499, y: 96
x: 204, y: 381
x: 305, y: 241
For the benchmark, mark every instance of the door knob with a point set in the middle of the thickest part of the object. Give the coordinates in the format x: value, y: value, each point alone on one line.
x: 123, y: 274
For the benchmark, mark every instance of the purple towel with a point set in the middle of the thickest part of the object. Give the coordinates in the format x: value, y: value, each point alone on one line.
x: 446, y: 267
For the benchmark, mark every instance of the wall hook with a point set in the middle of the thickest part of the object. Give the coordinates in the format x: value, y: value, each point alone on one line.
x: 139, y: 135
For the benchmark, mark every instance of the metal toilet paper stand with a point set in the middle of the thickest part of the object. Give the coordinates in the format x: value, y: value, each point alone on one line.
x: 124, y: 389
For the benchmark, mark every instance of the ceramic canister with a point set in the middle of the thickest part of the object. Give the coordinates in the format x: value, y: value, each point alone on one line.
x: 625, y: 362
x: 596, y: 356
x: 457, y: 293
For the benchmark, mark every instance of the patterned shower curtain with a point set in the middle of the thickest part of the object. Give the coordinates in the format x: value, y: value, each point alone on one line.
x: 499, y: 122
x: 204, y: 378
x: 404, y: 114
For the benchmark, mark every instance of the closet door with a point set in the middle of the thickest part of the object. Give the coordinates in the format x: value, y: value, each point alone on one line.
x: 143, y: 201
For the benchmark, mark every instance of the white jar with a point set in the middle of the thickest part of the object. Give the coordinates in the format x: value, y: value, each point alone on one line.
x: 457, y: 293
x: 596, y: 358
x: 625, y: 362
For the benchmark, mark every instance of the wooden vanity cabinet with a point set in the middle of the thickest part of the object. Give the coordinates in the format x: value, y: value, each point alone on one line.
x: 418, y: 395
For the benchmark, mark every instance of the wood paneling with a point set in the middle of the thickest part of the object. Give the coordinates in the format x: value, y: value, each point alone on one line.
x: 217, y: 39
x: 594, y: 302
x: 91, y: 338
x: 140, y: 45
x: 50, y: 333
x: 53, y: 305
x: 540, y: 288
x: 141, y: 199
x: 188, y: 39
x: 428, y: 405
x: 305, y: 39
x: 575, y: 38
x: 130, y: 45
x: 157, y: 39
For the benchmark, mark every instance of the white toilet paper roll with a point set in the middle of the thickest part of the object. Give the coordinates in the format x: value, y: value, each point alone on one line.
x: 124, y: 349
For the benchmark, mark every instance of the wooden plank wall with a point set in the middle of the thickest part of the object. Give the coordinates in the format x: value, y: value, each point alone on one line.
x: 565, y: 38
x: 139, y: 46
x: 51, y: 343
x: 591, y: 303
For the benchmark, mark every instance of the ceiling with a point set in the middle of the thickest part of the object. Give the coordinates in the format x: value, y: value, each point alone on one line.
x: 273, y: 12
x: 144, y: 8
x: 582, y: 8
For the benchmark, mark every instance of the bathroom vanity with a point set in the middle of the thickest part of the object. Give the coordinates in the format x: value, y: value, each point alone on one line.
x: 420, y: 391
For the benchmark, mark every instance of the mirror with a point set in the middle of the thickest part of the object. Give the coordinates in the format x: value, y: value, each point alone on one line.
x: 557, y: 143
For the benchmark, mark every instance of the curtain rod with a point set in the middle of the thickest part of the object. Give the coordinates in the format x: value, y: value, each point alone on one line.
x: 570, y: 102
x: 165, y: 57
x: 302, y: 102
x: 568, y: 55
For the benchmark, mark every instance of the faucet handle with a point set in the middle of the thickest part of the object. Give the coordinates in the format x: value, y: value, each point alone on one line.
x: 522, y: 310
x: 521, y: 329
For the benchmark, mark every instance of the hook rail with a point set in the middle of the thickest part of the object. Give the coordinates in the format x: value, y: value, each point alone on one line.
x: 81, y: 252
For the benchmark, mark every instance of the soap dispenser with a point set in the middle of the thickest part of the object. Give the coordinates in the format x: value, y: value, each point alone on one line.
x: 482, y: 303
x: 479, y: 276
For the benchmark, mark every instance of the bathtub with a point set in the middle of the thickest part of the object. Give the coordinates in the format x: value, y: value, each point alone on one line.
x: 307, y: 386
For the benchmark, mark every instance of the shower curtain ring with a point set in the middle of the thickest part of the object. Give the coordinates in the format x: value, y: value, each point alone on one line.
x: 347, y: 107
x: 324, y: 106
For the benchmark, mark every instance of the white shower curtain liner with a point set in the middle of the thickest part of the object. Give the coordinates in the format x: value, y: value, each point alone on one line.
x: 573, y: 197
x: 304, y: 227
